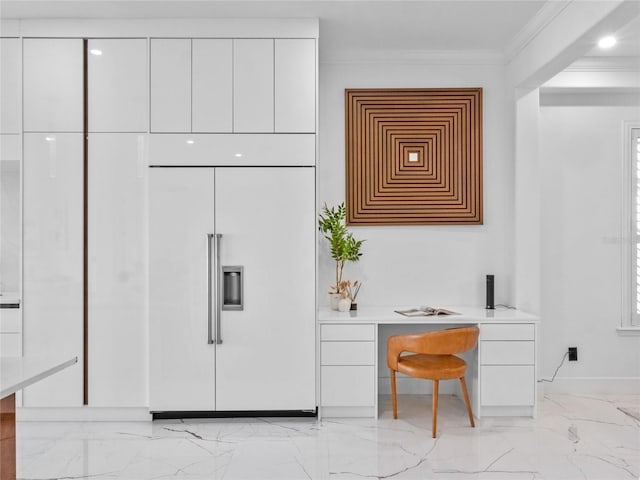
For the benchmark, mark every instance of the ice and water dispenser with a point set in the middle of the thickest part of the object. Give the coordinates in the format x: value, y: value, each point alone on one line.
x: 232, y: 288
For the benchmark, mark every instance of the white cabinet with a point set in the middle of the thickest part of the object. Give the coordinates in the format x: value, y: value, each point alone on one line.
x: 10, y: 147
x: 348, y: 386
x: 249, y: 149
x: 10, y: 212
x: 212, y: 83
x: 191, y: 85
x: 117, y: 270
x: 233, y: 85
x: 295, y: 85
x: 507, y: 365
x: 10, y: 332
x: 266, y: 359
x: 52, y: 253
x: 170, y: 85
x: 253, y: 85
x: 10, y: 345
x: 347, y: 371
x: 507, y: 385
x: 53, y: 85
x: 10, y: 321
x: 10, y: 85
x: 117, y: 85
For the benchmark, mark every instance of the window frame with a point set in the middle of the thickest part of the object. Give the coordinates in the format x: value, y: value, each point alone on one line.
x: 630, y: 234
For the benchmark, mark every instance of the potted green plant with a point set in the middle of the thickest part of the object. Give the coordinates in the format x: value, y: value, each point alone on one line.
x: 344, y: 248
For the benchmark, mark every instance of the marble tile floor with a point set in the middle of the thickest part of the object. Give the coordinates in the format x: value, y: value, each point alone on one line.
x: 574, y: 437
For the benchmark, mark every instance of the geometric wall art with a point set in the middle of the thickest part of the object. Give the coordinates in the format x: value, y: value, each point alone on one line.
x: 414, y: 156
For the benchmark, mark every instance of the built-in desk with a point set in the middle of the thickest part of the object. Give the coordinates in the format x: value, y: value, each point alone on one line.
x: 502, y: 369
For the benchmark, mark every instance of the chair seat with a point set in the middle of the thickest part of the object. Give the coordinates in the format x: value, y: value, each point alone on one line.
x: 433, y: 367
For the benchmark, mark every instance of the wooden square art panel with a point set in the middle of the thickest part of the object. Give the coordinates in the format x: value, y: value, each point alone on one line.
x: 414, y: 156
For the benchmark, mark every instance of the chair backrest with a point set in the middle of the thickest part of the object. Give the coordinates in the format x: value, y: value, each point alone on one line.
x: 438, y: 342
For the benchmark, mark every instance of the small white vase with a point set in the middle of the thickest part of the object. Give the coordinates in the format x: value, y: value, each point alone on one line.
x: 344, y: 305
x: 334, y: 298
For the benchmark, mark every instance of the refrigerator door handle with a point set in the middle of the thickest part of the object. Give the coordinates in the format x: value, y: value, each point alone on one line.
x: 217, y: 288
x: 210, y: 340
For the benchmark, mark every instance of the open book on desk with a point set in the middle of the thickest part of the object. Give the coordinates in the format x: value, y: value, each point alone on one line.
x: 425, y: 312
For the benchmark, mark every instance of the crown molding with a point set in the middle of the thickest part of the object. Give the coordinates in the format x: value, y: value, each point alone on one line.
x: 413, y: 57
x: 549, y: 11
x: 605, y: 64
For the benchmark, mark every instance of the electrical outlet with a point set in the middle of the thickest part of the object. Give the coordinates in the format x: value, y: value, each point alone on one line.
x: 573, y: 354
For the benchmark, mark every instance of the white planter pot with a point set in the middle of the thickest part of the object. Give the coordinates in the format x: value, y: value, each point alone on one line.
x: 344, y: 305
x: 334, y: 298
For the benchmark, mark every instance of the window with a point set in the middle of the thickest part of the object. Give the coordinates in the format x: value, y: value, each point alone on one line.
x: 631, y: 235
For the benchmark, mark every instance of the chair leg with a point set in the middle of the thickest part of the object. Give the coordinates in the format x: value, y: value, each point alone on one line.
x: 394, y: 399
x: 466, y: 400
x: 434, y: 413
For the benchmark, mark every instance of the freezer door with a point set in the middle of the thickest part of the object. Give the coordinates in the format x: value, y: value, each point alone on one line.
x: 181, y: 222
x: 267, y: 220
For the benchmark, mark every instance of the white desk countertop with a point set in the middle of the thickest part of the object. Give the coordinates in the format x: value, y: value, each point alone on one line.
x: 386, y: 315
x: 17, y: 373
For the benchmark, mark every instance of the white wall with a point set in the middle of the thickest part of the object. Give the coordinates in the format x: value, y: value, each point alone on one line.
x: 419, y: 265
x: 581, y: 180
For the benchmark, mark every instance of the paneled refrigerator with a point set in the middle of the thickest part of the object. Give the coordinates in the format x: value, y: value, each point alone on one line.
x: 232, y: 289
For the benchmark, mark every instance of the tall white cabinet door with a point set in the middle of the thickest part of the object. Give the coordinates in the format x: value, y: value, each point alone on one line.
x: 253, y: 85
x: 10, y: 84
x: 170, y: 85
x: 267, y: 357
x: 117, y: 270
x: 117, y: 85
x: 295, y: 85
x: 182, y: 362
x: 212, y: 84
x: 52, y: 291
x: 53, y: 85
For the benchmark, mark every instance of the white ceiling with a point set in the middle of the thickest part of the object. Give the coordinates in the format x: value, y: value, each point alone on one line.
x: 628, y: 41
x: 357, y: 25
x: 397, y: 26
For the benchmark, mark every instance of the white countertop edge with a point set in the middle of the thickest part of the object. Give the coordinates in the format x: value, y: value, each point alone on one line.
x: 386, y: 314
x: 25, y: 382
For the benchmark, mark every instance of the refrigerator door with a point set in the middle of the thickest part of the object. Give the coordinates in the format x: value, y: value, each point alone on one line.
x: 181, y: 221
x: 266, y: 360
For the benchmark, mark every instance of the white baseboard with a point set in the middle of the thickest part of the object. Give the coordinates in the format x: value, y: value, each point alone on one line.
x: 83, y: 414
x: 610, y: 385
x: 347, y: 412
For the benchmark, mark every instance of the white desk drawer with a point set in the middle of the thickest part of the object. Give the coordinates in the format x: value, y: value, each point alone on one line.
x: 10, y: 344
x: 10, y: 320
x: 348, y: 332
x: 507, y: 331
x: 503, y: 385
x: 347, y: 386
x: 347, y: 353
x: 507, y: 353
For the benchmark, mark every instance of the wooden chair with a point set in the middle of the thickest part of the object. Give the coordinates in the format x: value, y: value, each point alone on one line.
x: 432, y: 359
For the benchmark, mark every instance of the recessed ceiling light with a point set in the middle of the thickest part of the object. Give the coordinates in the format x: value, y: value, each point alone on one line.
x: 607, y: 42
x: 238, y: 154
x: 191, y: 142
